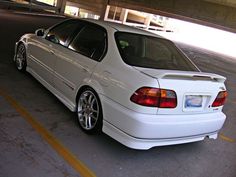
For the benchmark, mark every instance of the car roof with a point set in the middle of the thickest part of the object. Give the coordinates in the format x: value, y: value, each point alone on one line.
x: 121, y: 27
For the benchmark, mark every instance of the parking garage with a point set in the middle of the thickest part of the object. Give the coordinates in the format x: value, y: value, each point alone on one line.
x: 41, y: 137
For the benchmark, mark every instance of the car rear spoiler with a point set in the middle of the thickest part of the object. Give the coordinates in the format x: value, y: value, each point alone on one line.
x: 194, y: 76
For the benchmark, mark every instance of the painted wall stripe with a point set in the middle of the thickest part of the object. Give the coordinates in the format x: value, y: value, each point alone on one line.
x: 47, y: 136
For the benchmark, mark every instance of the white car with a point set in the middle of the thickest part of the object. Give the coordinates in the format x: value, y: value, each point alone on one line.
x: 136, y: 87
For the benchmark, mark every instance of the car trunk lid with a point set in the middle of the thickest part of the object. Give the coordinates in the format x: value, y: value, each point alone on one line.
x: 196, y: 91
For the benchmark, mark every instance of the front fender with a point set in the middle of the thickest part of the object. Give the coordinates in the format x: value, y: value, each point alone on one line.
x: 23, y: 40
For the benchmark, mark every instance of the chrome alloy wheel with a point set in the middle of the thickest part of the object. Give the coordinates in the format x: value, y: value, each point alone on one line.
x: 88, y: 110
x: 21, y: 58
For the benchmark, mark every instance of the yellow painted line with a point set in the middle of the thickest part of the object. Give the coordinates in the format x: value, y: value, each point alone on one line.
x: 47, y: 136
x: 225, y: 138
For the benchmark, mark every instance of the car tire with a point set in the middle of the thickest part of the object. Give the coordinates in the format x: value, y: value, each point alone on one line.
x: 20, y: 60
x: 89, y: 112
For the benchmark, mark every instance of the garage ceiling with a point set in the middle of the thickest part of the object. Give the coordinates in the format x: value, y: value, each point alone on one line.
x: 216, y: 13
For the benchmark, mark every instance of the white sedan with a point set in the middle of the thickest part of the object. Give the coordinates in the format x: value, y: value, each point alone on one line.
x: 136, y: 87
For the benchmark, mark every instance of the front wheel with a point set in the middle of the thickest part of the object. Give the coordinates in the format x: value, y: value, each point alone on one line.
x: 89, y: 111
x: 20, y: 60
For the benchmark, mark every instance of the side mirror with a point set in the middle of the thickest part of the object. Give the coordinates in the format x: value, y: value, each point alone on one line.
x: 39, y: 32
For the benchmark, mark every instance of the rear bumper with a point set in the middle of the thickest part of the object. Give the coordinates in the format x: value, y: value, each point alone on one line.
x: 144, y: 144
x: 143, y: 131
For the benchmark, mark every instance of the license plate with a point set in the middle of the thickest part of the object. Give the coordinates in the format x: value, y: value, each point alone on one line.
x: 193, y: 101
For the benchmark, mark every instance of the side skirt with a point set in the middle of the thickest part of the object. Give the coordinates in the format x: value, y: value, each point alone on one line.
x: 69, y: 104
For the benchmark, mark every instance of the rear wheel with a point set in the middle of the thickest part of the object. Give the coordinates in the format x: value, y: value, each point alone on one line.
x: 20, y: 60
x: 89, y: 111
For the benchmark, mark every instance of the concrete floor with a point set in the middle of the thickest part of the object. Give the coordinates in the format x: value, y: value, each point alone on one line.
x: 24, y: 153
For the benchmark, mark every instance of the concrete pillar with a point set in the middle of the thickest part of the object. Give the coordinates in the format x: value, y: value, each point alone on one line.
x: 123, y: 15
x: 114, y: 15
x: 148, y: 21
x: 61, y: 6
x: 104, y: 11
x: 105, y: 17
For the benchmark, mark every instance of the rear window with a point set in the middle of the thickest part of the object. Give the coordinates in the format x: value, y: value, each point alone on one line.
x: 151, y: 52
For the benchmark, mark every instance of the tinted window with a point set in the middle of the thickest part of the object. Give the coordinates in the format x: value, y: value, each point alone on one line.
x: 91, y: 42
x: 60, y: 33
x: 151, y: 52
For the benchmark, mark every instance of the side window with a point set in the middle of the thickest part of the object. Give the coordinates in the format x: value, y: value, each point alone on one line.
x: 90, y: 41
x: 60, y: 33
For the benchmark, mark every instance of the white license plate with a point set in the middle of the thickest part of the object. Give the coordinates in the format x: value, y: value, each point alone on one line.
x: 193, y: 101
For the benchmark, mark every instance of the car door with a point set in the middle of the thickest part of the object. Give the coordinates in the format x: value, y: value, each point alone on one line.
x: 40, y: 59
x: 75, y: 65
x: 42, y: 49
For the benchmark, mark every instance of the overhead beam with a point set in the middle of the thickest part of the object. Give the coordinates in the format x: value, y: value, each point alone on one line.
x: 95, y: 6
x: 199, y: 11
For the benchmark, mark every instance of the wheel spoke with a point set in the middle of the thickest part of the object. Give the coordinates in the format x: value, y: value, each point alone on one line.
x: 86, y: 99
x: 92, y: 102
x: 93, y: 117
x: 94, y: 111
x: 87, y: 122
x: 90, y: 99
x: 81, y: 111
x: 83, y: 99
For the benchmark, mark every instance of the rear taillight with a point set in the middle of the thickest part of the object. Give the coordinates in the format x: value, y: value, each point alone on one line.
x: 154, y: 97
x: 220, y: 99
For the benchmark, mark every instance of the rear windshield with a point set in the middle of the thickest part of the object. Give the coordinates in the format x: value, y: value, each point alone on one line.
x: 151, y: 52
